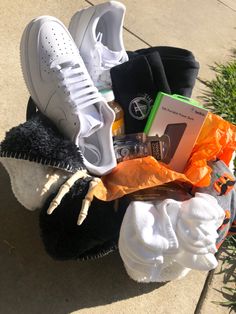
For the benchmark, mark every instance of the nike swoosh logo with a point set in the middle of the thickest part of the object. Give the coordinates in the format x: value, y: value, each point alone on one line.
x: 49, y: 100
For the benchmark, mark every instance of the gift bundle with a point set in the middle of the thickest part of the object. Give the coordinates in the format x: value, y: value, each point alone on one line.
x: 115, y: 154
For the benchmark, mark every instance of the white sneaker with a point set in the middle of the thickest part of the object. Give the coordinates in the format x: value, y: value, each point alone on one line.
x: 61, y: 87
x: 98, y: 33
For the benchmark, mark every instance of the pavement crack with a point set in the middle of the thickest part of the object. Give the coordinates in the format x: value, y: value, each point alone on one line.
x: 138, y: 37
x: 226, y: 5
x: 128, y: 30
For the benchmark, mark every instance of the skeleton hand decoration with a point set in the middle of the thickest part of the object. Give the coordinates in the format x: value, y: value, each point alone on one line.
x: 65, y: 189
x: 52, y: 176
x: 87, y: 200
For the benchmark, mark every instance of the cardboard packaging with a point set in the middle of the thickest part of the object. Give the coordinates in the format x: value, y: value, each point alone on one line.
x: 181, y: 119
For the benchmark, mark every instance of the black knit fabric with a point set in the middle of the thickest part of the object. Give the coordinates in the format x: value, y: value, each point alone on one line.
x: 180, y: 65
x: 38, y: 140
x: 135, y: 84
x: 97, y: 236
x: 149, y: 71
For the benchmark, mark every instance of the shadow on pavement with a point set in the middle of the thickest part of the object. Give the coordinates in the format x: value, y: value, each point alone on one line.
x: 32, y: 282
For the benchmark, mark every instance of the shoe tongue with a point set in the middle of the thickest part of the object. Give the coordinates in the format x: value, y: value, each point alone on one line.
x: 110, y: 56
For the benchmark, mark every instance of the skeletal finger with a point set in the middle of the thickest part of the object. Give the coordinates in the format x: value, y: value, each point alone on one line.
x: 87, y: 201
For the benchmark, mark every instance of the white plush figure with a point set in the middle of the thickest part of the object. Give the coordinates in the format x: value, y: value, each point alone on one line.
x: 164, y: 241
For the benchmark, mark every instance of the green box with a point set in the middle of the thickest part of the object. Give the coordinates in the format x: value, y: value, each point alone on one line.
x: 181, y: 119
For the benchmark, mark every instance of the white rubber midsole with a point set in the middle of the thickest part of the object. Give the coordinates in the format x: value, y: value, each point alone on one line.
x: 25, y: 66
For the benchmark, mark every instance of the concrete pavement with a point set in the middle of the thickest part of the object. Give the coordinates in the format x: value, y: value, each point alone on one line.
x: 33, y: 283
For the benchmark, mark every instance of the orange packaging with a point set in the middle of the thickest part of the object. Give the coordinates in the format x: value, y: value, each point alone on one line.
x: 217, y: 139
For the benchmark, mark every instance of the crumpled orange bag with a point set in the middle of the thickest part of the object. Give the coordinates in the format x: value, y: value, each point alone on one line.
x: 217, y: 139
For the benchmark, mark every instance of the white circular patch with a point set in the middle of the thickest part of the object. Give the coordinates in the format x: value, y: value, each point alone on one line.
x: 139, y: 107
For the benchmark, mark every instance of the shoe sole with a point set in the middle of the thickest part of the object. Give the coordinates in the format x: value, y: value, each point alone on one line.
x: 24, y: 57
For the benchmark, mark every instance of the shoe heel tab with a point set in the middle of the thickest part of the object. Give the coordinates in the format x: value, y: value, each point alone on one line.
x: 118, y: 5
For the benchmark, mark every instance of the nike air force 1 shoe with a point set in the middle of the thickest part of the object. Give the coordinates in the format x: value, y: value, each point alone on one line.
x: 98, y: 33
x: 62, y: 89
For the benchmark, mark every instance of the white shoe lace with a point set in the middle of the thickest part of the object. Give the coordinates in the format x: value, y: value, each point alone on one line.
x: 78, y: 87
x: 100, y: 71
x: 80, y: 93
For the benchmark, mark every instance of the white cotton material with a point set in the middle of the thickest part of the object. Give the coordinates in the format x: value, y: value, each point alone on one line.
x: 199, y: 219
x: 167, y: 271
x: 164, y: 241
x: 231, y: 164
x: 28, y: 180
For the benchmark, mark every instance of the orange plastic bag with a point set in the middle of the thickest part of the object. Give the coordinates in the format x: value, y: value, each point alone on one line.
x: 217, y: 139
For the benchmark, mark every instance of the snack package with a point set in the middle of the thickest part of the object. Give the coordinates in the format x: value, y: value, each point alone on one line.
x: 138, y: 145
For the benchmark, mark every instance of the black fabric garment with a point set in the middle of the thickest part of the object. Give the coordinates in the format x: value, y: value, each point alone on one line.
x: 180, y: 67
x: 31, y: 109
x: 38, y: 140
x: 135, y: 84
x: 98, y: 235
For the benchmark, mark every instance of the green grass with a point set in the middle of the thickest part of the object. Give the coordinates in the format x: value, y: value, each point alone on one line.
x: 220, y: 98
x: 228, y: 268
